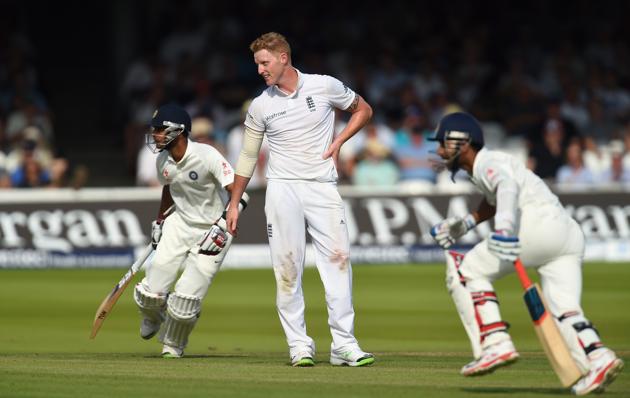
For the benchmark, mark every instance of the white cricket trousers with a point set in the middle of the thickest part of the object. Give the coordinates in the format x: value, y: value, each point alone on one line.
x: 552, y: 242
x: 292, y: 207
x: 177, y: 251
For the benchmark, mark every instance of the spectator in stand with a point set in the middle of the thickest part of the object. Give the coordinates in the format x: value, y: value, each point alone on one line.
x: 414, y: 157
x: 5, y: 180
x: 34, y: 143
x: 574, y: 107
x: 546, y: 157
x: 574, y: 172
x: 595, y: 158
x: 617, y: 173
x: 375, y: 167
x: 202, y: 131
x: 30, y: 174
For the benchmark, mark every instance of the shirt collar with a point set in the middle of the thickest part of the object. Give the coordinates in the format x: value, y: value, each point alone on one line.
x: 183, y: 159
x: 300, y: 83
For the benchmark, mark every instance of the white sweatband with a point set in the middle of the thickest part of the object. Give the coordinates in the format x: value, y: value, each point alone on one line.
x: 507, y: 201
x: 252, y: 140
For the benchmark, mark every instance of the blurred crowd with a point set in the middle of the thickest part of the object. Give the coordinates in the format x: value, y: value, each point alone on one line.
x: 28, y: 156
x: 550, y: 88
x: 562, y: 104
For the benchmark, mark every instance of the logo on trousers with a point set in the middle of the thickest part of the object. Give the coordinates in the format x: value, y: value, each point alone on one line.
x: 269, y: 231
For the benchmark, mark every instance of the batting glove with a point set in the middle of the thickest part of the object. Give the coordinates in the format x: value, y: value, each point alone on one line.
x: 213, y: 241
x: 448, y: 231
x: 505, y: 246
x: 156, y: 232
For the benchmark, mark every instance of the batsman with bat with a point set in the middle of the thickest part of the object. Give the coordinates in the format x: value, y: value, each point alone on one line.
x: 193, y: 240
x: 296, y: 113
x: 531, y: 229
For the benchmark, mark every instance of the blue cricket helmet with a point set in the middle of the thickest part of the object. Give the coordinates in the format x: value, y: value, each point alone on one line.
x: 171, y: 120
x: 169, y: 115
x: 459, y: 126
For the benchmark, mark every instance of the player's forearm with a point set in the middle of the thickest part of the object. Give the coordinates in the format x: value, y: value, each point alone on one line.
x: 484, y: 212
x: 166, y: 202
x: 361, y: 115
x: 238, y: 187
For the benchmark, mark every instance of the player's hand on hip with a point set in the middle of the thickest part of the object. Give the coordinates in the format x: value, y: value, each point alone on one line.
x: 504, y: 245
x: 333, y: 150
x: 213, y: 241
x: 156, y: 232
x: 448, y: 231
x: 232, y: 221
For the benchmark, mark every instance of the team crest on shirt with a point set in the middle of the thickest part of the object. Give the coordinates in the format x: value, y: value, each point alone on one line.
x: 226, y: 169
x: 310, y: 104
x: 491, y: 174
x: 193, y: 175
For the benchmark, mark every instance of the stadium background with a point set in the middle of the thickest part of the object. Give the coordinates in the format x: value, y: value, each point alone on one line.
x: 79, y: 80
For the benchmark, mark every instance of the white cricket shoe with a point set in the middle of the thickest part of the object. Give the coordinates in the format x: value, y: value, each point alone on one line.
x: 605, y: 366
x: 492, y: 357
x: 351, y: 356
x: 148, y: 328
x: 302, y: 359
x: 171, y: 352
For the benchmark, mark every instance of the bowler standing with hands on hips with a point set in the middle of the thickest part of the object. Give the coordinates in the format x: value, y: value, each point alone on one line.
x: 296, y: 113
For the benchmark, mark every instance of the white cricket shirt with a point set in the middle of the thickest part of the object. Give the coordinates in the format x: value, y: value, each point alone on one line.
x: 300, y: 126
x: 493, y: 168
x: 195, y: 182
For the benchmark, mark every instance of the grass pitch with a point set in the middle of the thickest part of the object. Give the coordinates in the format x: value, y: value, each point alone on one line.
x: 404, y: 316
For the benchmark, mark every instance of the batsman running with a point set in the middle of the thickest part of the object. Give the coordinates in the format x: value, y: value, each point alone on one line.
x: 193, y: 239
x: 530, y: 224
x: 296, y: 113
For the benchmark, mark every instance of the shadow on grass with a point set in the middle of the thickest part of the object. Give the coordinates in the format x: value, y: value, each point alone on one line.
x: 516, y: 390
x: 198, y: 356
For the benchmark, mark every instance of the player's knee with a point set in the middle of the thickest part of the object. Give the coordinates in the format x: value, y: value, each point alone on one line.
x: 183, y: 307
x: 148, y: 300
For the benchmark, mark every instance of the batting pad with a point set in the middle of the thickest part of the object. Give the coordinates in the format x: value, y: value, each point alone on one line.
x: 151, y: 305
x: 182, y: 312
x: 463, y: 301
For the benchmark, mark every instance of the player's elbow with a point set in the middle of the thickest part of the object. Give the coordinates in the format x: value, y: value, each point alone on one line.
x: 367, y: 110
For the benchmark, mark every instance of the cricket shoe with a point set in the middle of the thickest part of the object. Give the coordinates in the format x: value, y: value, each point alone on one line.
x: 302, y: 359
x: 493, y: 357
x: 605, y: 366
x: 170, y: 352
x: 148, y: 328
x: 352, y: 356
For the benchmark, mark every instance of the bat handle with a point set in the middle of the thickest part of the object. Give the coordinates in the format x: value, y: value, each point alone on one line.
x: 522, y: 274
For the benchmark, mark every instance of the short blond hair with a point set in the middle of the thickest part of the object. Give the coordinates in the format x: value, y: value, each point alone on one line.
x: 271, y: 41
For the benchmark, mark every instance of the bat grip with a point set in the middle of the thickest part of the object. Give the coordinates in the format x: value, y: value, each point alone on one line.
x: 522, y: 274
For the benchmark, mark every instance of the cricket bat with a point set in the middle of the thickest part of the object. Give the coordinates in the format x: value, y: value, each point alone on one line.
x: 547, y: 331
x: 110, y: 300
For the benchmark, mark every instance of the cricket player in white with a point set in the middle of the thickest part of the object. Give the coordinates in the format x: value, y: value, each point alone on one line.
x: 530, y: 224
x: 193, y: 239
x: 296, y: 113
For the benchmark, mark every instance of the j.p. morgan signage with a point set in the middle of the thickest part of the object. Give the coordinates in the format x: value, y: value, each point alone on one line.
x: 384, y: 228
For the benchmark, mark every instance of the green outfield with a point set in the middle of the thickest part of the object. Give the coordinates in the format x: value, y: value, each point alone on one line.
x: 404, y: 316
